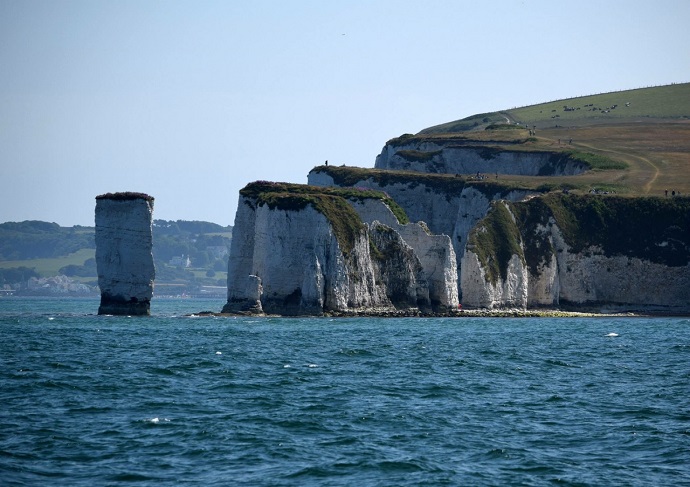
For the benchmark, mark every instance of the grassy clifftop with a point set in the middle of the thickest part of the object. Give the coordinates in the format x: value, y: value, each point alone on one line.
x: 671, y: 102
x: 330, y: 202
x: 448, y: 185
x: 661, y: 102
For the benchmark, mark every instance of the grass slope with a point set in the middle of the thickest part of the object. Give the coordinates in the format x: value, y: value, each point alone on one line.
x: 671, y: 102
x: 662, y: 102
x: 648, y: 132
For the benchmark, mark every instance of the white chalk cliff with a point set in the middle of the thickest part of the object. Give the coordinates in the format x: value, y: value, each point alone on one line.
x: 450, y: 212
x: 643, y: 275
x: 434, y: 156
x: 434, y: 252
x: 548, y: 271
x: 290, y: 260
x: 455, y: 251
x: 124, y: 258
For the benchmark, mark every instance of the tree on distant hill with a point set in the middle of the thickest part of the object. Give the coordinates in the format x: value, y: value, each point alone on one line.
x: 88, y: 269
x: 15, y: 276
x: 35, y: 239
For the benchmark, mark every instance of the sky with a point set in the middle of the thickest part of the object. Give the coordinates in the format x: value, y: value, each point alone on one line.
x: 189, y: 101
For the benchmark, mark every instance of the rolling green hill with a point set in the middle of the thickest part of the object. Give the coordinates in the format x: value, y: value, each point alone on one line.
x: 670, y: 102
x: 662, y: 102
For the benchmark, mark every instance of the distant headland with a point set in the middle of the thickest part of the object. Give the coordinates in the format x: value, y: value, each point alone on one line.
x: 577, y: 205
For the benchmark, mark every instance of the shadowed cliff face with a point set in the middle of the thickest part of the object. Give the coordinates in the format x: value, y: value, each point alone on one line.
x: 124, y: 256
x: 627, y: 253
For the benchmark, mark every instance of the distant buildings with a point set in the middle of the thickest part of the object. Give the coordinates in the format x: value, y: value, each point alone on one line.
x: 57, y: 285
x: 184, y: 261
x: 180, y: 261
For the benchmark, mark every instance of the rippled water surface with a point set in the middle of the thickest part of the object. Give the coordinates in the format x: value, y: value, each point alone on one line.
x: 178, y: 400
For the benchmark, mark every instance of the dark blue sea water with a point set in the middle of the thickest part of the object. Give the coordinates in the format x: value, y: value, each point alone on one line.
x: 175, y: 400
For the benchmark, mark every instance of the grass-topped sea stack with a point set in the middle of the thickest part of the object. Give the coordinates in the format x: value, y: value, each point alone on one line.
x: 123, y: 253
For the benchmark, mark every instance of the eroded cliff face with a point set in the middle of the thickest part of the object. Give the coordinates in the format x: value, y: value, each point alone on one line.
x: 582, y: 252
x: 452, y: 158
x: 490, y: 244
x: 448, y: 207
x: 301, y: 268
x: 291, y: 256
x: 399, y: 273
x: 124, y: 258
x: 506, y: 292
x: 435, y: 253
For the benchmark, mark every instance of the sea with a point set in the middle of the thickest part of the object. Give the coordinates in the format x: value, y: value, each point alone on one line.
x: 180, y: 399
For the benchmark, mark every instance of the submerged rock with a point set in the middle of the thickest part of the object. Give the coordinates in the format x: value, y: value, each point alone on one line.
x: 124, y: 258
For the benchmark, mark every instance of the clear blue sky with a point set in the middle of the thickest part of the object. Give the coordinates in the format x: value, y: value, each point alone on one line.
x: 189, y: 101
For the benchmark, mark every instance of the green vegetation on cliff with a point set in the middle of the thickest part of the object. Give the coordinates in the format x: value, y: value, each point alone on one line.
x: 330, y: 202
x: 352, y: 176
x: 495, y: 240
x: 596, y: 162
x: 652, y: 229
x: 125, y: 196
x: 516, y: 138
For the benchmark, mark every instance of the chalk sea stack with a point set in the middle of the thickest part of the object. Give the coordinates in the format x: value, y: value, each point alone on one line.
x: 124, y: 258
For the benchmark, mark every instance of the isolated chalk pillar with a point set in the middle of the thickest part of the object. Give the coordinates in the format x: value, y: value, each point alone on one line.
x: 124, y: 258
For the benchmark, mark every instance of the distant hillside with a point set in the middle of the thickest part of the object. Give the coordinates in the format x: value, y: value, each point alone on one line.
x: 37, y: 239
x: 187, y: 253
x: 662, y: 102
x: 671, y: 102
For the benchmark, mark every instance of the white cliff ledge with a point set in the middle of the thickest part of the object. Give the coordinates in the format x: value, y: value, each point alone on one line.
x: 451, y: 156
